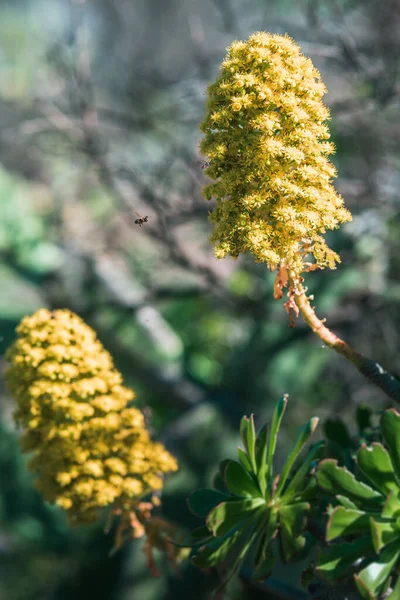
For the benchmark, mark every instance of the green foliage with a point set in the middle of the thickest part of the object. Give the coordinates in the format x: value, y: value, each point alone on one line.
x: 253, y: 511
x: 366, y: 521
x: 251, y: 505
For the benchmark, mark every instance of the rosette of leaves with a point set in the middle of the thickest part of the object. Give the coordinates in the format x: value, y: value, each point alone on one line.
x: 366, y: 520
x: 250, y: 506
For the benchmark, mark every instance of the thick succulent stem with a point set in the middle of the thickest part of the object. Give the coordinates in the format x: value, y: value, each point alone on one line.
x: 386, y: 381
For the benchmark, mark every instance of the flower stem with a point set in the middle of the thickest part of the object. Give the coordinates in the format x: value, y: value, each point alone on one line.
x: 386, y: 381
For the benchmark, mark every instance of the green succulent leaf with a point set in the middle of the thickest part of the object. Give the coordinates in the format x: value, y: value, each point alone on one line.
x: 371, y: 580
x: 300, y: 479
x: 202, y: 501
x: 232, y: 514
x: 346, y: 502
x: 336, y: 561
x: 391, y: 507
x: 390, y: 431
x: 265, y: 560
x: 244, y: 460
x: 334, y: 479
x: 345, y: 521
x: 246, y: 542
x: 375, y: 463
x: 215, y: 552
x: 273, y: 434
x: 292, y: 520
x: 303, y: 436
x: 272, y: 525
x: 240, y: 482
x: 261, y: 459
x: 248, y: 435
x: 293, y: 517
x: 383, y: 532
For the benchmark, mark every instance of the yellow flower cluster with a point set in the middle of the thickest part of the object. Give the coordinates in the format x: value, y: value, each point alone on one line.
x: 266, y: 140
x: 90, y: 449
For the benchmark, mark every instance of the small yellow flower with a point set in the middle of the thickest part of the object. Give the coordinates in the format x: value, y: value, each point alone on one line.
x: 236, y: 105
x: 89, y: 448
x: 273, y: 181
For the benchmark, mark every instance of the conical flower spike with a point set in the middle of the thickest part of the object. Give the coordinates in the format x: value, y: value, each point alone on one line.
x: 266, y: 141
x: 90, y: 450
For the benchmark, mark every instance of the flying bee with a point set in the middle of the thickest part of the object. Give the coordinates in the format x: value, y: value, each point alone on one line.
x: 141, y: 219
x: 204, y: 164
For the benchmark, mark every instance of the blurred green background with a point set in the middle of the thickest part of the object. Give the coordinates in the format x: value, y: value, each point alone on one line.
x: 100, y: 102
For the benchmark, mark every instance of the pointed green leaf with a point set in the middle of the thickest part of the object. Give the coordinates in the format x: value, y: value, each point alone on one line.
x: 292, y: 520
x: 376, y: 465
x: 228, y: 515
x: 371, y: 580
x: 264, y: 561
x: 336, y: 561
x: 390, y: 431
x: 261, y: 459
x: 246, y: 542
x: 244, y: 423
x: 273, y: 434
x: 244, y: 460
x: 248, y: 435
x: 294, y: 517
x: 251, y: 443
x: 338, y: 480
x: 240, y: 482
x: 271, y: 526
x: 383, y: 532
x: 214, y: 553
x: 300, y: 480
x: 261, y: 447
x: 303, y: 436
x: 344, y: 522
x: 202, y: 501
x: 391, y: 507
x: 346, y: 502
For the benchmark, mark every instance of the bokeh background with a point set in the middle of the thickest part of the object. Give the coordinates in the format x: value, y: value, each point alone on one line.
x: 100, y: 102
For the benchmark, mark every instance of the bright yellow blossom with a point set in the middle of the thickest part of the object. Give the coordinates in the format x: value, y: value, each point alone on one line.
x: 90, y: 449
x: 273, y: 180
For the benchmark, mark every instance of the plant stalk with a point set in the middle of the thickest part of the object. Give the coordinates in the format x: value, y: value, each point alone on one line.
x: 386, y: 381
